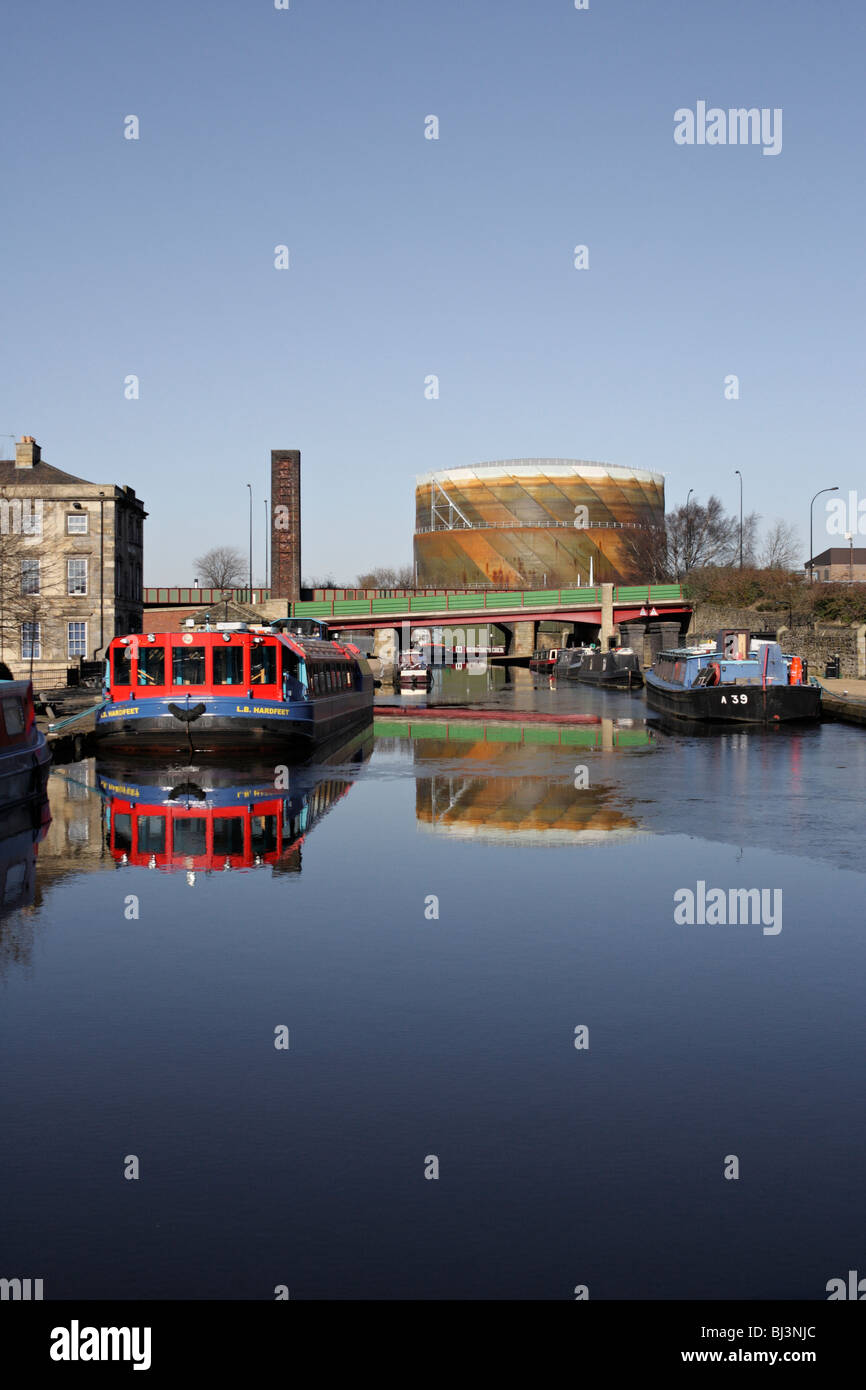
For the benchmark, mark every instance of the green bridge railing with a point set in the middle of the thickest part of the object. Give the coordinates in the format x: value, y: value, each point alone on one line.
x: 484, y: 601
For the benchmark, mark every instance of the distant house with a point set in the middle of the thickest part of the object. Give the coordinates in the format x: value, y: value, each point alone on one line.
x: 70, y: 565
x: 841, y: 563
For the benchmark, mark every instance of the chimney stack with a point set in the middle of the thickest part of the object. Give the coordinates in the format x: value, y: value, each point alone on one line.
x: 27, y: 452
x: 285, y: 576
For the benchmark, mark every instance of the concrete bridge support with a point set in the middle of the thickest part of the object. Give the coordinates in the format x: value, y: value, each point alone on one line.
x: 607, y: 623
x: 524, y: 639
x: 386, y: 645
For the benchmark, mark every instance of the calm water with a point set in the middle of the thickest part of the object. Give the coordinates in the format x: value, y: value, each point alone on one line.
x: 154, y: 952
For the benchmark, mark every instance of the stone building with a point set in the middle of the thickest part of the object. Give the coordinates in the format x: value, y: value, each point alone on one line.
x: 70, y: 566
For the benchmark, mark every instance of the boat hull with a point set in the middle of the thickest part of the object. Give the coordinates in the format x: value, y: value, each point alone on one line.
x: 731, y: 704
x: 24, y: 772
x: 219, y: 724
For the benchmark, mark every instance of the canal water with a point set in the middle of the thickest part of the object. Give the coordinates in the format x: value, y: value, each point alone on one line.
x: 449, y: 1015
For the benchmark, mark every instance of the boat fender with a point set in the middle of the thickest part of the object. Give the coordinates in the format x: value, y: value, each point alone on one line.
x: 187, y: 715
x: 795, y: 672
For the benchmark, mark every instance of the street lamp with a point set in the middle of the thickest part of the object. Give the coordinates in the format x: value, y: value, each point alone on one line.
x: 811, y: 548
x: 102, y: 571
x: 849, y: 536
x: 740, y: 476
x: 267, y: 525
x: 250, y: 486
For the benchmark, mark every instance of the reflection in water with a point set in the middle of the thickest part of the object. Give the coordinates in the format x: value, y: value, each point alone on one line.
x: 456, y: 735
x: 201, y: 818
x: 22, y: 828
x: 544, y: 800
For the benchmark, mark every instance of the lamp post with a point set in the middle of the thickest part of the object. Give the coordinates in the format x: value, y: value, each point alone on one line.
x: 811, y: 548
x: 267, y: 577
x: 101, y: 570
x: 250, y: 486
x: 740, y: 476
x: 849, y: 536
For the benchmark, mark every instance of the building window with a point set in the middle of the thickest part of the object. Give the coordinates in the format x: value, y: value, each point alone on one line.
x: 76, y: 523
x: 31, y: 641
x: 76, y: 576
x: 76, y: 639
x: 30, y: 576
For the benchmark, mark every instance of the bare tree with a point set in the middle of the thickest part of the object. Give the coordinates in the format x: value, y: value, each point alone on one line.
x: 222, y: 567
x: 700, y: 536
x: 647, y: 551
x: 403, y: 577
x: 28, y: 576
x: 781, y: 546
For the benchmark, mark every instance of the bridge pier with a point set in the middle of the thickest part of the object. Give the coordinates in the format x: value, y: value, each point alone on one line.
x: 524, y: 639
x: 607, y: 623
x: 386, y: 646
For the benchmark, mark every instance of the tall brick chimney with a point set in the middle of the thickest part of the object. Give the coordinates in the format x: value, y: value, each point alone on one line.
x: 27, y: 452
x: 286, y: 524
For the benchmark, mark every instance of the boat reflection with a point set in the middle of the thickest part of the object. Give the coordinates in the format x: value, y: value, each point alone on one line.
x: 205, y: 819
x: 22, y: 829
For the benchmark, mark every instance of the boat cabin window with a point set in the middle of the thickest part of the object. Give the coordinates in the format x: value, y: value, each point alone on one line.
x: 228, y: 835
x: 151, y: 666
x: 13, y: 716
x: 263, y: 665
x: 263, y: 838
x: 190, y: 834
x: 151, y: 834
x: 122, y: 826
x: 228, y: 665
x: 121, y: 666
x: 187, y: 665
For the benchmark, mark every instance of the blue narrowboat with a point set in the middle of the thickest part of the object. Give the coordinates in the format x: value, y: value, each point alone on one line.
x: 231, y: 687
x: 742, y: 680
x: 25, y: 758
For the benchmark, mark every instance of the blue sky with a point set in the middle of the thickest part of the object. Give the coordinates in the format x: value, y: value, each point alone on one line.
x: 410, y: 256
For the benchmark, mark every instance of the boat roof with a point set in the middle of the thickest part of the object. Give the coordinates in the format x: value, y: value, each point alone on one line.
x: 311, y: 648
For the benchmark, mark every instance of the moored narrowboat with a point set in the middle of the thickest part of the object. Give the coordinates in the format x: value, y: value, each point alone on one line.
x: 619, y: 668
x: 570, y: 660
x: 25, y: 758
x: 231, y: 687
x: 743, y: 680
x: 544, y: 660
x: 415, y: 672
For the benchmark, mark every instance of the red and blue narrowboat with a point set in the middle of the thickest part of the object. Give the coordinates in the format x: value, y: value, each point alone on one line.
x: 234, y: 686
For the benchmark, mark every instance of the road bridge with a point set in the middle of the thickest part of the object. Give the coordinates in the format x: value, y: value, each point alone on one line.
x: 601, y: 605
